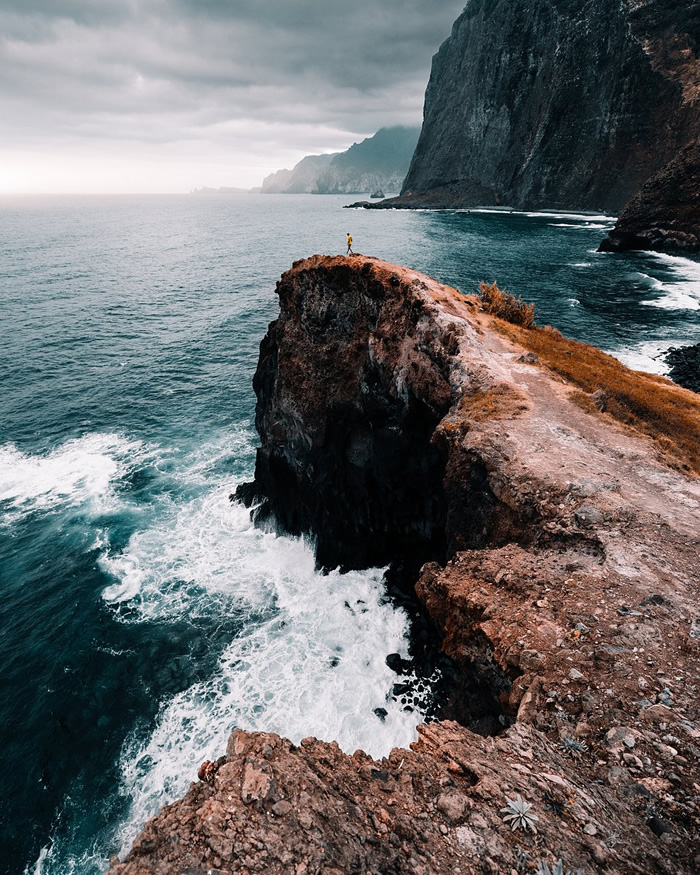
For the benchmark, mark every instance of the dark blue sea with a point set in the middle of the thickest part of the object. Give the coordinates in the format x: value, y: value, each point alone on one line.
x: 142, y: 616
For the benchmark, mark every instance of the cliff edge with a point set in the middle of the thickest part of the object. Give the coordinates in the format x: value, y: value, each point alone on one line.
x: 553, y: 496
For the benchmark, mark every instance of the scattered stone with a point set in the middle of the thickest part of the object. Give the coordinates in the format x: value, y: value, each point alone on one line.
x: 665, y: 697
x: 655, y: 713
x: 452, y: 806
x: 256, y: 784
x: 587, y: 516
x: 590, y: 829
x: 658, y: 826
x: 396, y: 663
x: 600, y: 399
x: 472, y: 842
x: 529, y: 358
x: 665, y: 750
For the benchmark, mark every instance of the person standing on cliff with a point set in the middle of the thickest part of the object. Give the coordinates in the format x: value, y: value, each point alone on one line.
x: 349, y: 252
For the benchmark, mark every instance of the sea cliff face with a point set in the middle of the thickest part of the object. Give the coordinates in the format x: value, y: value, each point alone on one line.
x: 555, y: 103
x: 565, y: 526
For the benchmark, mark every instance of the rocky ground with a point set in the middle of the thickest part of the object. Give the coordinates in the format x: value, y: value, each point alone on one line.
x: 563, y: 572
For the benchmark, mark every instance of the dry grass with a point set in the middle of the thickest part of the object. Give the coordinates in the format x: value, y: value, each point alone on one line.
x: 506, y: 306
x: 650, y: 404
x: 500, y: 401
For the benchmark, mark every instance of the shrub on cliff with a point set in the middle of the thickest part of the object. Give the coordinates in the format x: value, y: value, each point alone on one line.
x: 506, y: 306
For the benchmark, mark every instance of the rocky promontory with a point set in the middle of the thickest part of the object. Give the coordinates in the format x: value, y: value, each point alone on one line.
x: 553, y: 498
x: 665, y: 215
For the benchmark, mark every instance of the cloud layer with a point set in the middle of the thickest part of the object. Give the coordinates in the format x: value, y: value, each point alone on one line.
x: 240, y: 86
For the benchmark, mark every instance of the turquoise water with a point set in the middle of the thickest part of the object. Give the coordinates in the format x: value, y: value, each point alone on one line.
x: 142, y: 616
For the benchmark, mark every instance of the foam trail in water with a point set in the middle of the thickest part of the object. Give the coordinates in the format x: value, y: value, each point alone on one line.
x: 314, y: 666
x: 80, y: 471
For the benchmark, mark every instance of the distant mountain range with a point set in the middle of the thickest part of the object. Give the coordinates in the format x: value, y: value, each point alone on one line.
x: 377, y: 164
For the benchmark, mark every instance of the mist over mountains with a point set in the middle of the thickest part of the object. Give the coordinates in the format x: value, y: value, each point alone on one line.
x: 377, y: 163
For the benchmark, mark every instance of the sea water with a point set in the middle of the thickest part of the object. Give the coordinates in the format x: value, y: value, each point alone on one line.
x: 142, y: 615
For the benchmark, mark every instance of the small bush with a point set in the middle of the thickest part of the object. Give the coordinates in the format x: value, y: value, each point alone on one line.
x: 506, y: 306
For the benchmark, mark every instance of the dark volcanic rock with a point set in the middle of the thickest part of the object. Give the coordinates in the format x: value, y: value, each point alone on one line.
x: 685, y: 366
x: 554, y: 103
x: 665, y: 215
x: 354, y: 466
x: 352, y: 381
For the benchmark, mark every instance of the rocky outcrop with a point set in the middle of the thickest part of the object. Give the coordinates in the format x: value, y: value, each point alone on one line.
x: 685, y: 366
x: 379, y: 162
x: 556, y: 104
x: 665, y: 215
x: 566, y: 584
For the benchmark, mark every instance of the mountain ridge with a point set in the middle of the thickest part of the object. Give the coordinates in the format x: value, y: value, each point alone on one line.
x: 377, y: 162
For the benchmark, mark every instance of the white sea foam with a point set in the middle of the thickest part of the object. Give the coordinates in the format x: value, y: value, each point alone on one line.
x: 315, y: 665
x: 683, y: 291
x: 545, y: 214
x: 309, y: 659
x: 50, y: 860
x: 80, y: 471
x: 585, y: 226
x: 647, y: 356
x: 194, y: 555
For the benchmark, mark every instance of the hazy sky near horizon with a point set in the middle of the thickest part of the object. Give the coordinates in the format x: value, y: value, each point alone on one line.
x: 169, y: 95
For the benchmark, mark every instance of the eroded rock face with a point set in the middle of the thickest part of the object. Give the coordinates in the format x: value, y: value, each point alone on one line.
x: 555, y: 103
x: 665, y: 215
x: 353, y: 379
x: 570, y: 594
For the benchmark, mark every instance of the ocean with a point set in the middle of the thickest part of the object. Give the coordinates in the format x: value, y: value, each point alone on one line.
x: 142, y: 615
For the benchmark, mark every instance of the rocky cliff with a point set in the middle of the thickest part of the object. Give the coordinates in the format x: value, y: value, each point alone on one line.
x: 555, y: 496
x: 665, y: 215
x: 554, y: 103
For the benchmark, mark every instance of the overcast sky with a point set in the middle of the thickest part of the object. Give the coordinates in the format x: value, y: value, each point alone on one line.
x: 170, y: 95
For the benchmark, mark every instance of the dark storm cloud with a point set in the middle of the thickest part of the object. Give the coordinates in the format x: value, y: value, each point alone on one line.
x: 173, y: 70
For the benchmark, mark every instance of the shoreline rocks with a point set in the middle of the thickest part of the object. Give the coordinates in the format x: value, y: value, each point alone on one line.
x: 665, y: 215
x: 685, y: 366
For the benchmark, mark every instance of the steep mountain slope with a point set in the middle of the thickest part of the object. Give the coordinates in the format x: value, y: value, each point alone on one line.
x: 554, y: 103
x: 379, y: 162
x: 301, y: 178
x: 665, y: 215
